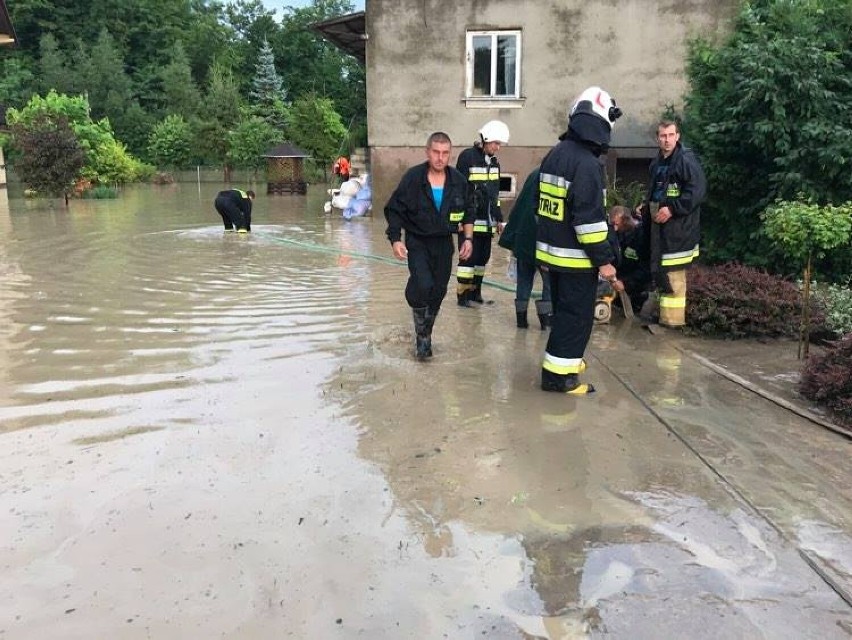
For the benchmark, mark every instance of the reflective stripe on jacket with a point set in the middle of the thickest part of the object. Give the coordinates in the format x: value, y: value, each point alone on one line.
x: 572, y: 225
x: 684, y: 191
x: 484, y: 185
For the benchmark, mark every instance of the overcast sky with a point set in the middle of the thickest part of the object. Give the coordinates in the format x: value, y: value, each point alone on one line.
x: 277, y: 4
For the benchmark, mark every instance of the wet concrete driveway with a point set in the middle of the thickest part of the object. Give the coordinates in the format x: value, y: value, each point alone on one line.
x: 205, y: 435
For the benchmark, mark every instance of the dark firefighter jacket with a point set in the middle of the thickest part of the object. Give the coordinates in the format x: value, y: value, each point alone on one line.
x: 684, y: 190
x: 519, y: 234
x: 412, y: 207
x: 572, y: 224
x: 484, y: 185
x: 634, y: 268
x: 239, y: 198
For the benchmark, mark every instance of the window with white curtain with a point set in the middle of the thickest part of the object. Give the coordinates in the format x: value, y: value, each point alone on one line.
x: 493, y: 64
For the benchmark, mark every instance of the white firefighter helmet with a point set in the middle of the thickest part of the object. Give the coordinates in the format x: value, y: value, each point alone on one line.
x: 595, y: 100
x: 494, y: 131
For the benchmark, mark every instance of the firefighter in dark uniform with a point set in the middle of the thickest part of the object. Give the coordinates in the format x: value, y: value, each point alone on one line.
x: 234, y: 205
x: 634, y: 266
x: 571, y: 242
x: 479, y: 165
x: 429, y: 203
x: 672, y: 212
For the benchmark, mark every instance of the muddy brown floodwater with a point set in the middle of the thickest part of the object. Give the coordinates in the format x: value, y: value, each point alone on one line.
x: 205, y: 435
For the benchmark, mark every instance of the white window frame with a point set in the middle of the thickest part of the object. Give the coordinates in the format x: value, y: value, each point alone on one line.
x: 469, y: 36
x: 512, y: 192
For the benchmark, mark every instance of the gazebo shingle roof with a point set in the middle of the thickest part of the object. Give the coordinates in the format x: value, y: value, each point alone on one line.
x: 286, y: 150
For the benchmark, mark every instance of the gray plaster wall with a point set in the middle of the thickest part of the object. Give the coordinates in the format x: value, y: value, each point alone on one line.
x: 635, y: 49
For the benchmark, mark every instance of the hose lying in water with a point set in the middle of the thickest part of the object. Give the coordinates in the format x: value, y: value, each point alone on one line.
x: 320, y: 248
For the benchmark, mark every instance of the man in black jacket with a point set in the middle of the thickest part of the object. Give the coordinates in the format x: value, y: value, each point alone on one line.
x: 429, y: 203
x: 234, y: 205
x: 672, y: 212
x: 572, y: 241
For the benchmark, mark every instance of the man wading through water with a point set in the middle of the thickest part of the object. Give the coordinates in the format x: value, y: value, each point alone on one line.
x: 429, y: 204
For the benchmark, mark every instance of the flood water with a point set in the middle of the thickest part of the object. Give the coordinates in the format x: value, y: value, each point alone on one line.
x: 206, y: 434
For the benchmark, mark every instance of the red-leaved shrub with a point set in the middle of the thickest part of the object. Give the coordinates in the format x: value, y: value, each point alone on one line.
x: 827, y: 379
x: 735, y: 301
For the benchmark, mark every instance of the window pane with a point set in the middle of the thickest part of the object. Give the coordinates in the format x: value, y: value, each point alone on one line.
x: 481, y: 66
x: 507, y: 55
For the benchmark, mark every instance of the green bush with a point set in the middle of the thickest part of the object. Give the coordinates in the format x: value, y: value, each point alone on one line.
x: 768, y: 111
x: 100, y: 192
x: 626, y: 194
x: 837, y: 301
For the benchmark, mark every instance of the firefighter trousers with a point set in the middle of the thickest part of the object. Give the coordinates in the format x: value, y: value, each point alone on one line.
x: 470, y: 272
x: 231, y: 214
x: 573, y: 296
x: 673, y: 305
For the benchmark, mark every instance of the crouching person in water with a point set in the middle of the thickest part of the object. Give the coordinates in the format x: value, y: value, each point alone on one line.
x: 429, y: 204
x: 234, y: 205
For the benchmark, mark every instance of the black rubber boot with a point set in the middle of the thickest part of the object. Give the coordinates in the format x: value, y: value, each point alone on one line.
x: 521, y: 313
x: 476, y: 294
x: 422, y: 331
x: 431, y: 315
x: 464, y: 298
x: 545, y: 313
x: 570, y: 385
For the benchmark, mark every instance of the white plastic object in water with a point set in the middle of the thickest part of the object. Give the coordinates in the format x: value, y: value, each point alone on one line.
x: 340, y: 201
x: 327, y: 207
x: 350, y: 188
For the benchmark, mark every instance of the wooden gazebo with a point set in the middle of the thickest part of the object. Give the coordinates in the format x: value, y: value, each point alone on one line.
x: 285, y: 172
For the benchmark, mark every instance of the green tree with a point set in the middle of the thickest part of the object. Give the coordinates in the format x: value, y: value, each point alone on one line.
x: 251, y: 23
x: 95, y: 138
x: 316, y: 127
x: 80, y: 70
x: 770, y: 113
x: 804, y: 230
x: 266, y: 90
x: 219, y: 114
x: 314, y: 65
x: 114, y: 165
x: 133, y: 127
x: 180, y: 93
x: 53, y: 72
x: 249, y: 140
x: 109, y: 87
x: 50, y: 157
x: 16, y: 81
x: 170, y: 143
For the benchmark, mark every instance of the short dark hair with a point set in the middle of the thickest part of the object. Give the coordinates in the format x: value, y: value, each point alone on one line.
x: 662, y: 124
x: 250, y: 194
x: 438, y: 136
